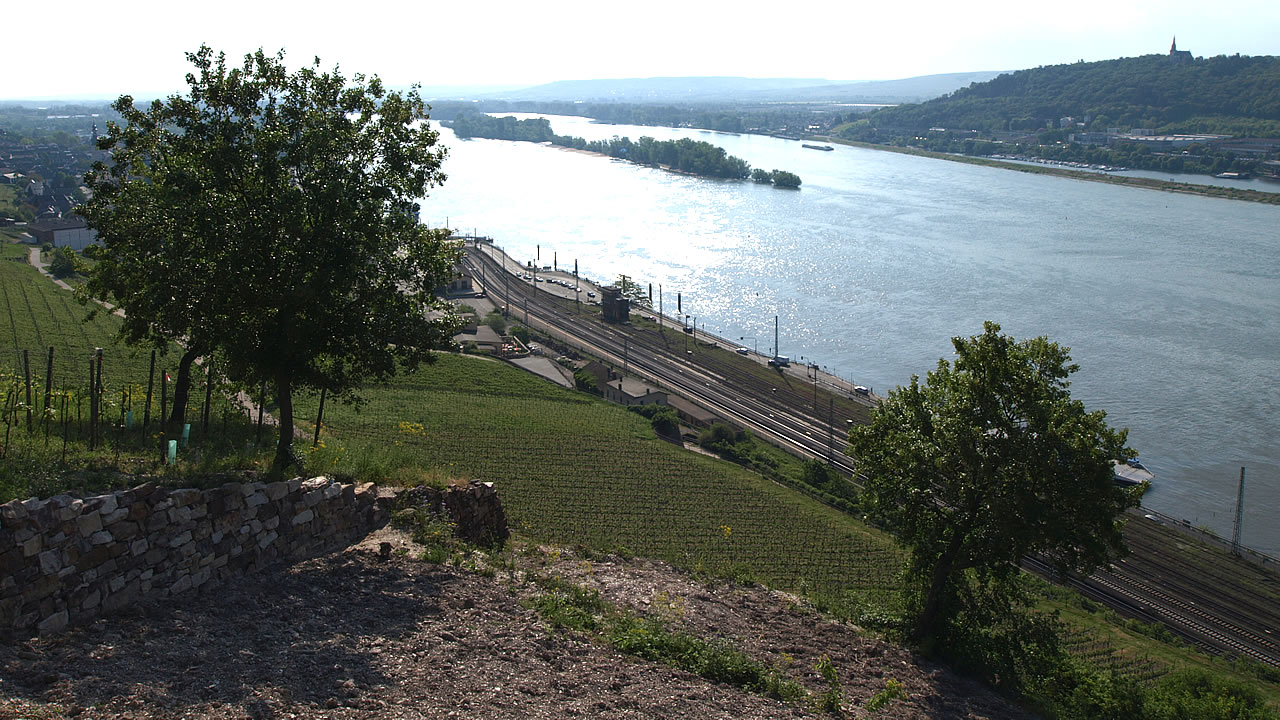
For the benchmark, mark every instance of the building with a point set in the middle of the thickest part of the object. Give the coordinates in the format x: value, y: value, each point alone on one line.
x: 72, y: 232
x: 1177, y: 56
x: 631, y: 391
x: 616, y: 307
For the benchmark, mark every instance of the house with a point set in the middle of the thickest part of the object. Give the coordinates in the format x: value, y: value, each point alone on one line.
x: 632, y: 391
x: 72, y: 232
x: 1177, y: 56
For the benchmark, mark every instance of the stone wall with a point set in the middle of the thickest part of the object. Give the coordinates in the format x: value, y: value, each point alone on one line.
x: 65, y: 561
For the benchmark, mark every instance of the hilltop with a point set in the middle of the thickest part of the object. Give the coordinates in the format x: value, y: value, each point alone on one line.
x: 1235, y: 95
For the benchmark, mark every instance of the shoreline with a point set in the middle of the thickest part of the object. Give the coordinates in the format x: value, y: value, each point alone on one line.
x: 1128, y: 181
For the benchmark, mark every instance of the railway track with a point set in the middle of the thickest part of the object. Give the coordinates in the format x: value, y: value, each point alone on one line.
x: 1216, y: 607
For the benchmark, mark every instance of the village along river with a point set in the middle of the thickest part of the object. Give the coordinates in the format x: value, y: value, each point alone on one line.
x: 1169, y: 302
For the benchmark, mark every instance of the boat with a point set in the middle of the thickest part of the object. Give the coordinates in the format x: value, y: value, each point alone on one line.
x: 827, y: 148
x: 1232, y: 176
x: 1131, y: 472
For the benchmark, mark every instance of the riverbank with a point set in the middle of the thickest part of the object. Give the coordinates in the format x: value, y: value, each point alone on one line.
x: 1139, y: 182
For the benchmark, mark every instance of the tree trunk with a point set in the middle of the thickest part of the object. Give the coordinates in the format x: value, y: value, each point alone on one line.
x: 939, y: 587
x: 182, y: 388
x: 284, y: 418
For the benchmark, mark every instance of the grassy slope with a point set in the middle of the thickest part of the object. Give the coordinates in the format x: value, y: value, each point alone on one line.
x: 574, y: 469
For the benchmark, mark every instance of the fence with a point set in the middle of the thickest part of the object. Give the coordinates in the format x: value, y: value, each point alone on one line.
x: 111, y: 398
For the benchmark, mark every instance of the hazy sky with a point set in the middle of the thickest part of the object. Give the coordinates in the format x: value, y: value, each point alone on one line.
x: 78, y: 48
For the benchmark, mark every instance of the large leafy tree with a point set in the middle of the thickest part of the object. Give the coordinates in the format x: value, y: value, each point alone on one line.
x: 271, y: 218
x: 989, y: 461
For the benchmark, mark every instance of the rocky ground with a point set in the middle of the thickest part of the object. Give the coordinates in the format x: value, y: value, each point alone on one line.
x: 369, y: 634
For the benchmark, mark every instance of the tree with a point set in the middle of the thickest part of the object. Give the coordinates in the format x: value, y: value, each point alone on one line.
x: 271, y: 218
x: 989, y: 461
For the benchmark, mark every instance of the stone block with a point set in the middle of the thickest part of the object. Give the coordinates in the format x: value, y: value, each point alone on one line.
x: 71, y: 510
x: 89, y: 523
x: 256, y: 499
x: 201, y: 577
x: 114, y: 516
x: 93, y: 558
x: 302, y: 517
x: 54, y: 623
x: 91, y: 600
x: 11, y: 512
x: 125, y: 530
x: 315, y: 483
x: 271, y: 523
x: 109, y: 504
x: 154, y: 556
x: 199, y: 510
x: 116, y: 583
x: 180, y: 540
x: 182, y: 585
x: 277, y: 490
x: 313, y: 498
x: 332, y: 492
x: 267, y: 539
x: 102, y: 537
x: 32, y: 546
x: 158, y: 521
x: 50, y: 562
x: 182, y: 498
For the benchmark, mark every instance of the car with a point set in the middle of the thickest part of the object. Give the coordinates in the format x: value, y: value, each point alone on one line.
x: 742, y: 351
x: 591, y: 294
x: 861, y: 390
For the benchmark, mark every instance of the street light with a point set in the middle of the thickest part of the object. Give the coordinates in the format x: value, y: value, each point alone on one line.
x: 754, y: 343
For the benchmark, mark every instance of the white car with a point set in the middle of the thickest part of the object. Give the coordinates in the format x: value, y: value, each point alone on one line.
x: 742, y: 351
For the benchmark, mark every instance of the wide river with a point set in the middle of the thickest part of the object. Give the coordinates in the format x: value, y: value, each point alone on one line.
x: 1169, y: 302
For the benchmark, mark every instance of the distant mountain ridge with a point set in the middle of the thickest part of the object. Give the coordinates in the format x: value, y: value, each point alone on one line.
x: 741, y: 89
x: 1238, y: 95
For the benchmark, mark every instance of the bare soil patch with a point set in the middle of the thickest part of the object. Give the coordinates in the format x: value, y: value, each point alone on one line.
x: 362, y: 634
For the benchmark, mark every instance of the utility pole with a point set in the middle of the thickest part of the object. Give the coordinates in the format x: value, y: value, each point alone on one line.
x: 831, y: 427
x: 577, y: 287
x: 1235, y: 535
x: 660, y: 310
x: 776, y: 351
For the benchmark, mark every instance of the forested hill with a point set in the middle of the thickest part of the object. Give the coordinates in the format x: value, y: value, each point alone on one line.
x: 1236, y: 95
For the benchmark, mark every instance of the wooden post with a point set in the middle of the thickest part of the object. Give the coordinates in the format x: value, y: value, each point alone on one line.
x: 208, y: 396
x: 319, y: 418
x: 100, y: 393
x: 151, y: 383
x: 26, y: 365
x: 262, y: 401
x: 48, y: 383
x: 93, y: 404
x: 164, y: 401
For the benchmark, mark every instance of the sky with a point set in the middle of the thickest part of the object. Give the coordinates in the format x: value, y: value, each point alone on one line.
x: 76, y: 48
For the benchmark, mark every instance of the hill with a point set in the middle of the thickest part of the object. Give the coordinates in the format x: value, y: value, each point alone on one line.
x: 1236, y: 95
x: 738, y: 89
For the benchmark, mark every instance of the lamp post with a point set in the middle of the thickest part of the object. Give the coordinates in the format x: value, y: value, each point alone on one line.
x: 754, y: 343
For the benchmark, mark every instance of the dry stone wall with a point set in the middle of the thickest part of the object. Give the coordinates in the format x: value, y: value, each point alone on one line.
x: 66, y: 560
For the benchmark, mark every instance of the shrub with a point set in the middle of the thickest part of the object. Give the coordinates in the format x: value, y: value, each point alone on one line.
x: 63, y: 263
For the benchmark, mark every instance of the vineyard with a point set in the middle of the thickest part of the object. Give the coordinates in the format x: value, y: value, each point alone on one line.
x: 576, y: 470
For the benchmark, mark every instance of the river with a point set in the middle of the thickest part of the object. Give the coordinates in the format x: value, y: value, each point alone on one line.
x: 1169, y: 302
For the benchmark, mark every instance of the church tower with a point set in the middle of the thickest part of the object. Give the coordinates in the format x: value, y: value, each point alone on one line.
x: 1179, y: 56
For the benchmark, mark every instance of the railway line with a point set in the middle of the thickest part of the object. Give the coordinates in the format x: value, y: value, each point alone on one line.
x: 1221, y: 605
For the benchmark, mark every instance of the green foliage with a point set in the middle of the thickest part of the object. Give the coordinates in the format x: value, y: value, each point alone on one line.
x: 1201, y: 695
x: 684, y: 155
x: 1223, y: 94
x: 521, y: 333
x: 830, y: 699
x: 585, y: 382
x: 495, y: 321
x: 893, y: 690
x: 991, y: 461
x: 575, y: 470
x: 303, y: 183
x: 782, y: 178
x: 64, y: 263
x: 761, y: 175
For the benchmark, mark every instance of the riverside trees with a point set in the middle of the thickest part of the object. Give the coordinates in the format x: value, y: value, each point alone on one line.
x: 989, y: 461
x: 271, y: 218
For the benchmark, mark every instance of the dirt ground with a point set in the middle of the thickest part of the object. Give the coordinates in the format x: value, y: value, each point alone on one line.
x: 363, y: 634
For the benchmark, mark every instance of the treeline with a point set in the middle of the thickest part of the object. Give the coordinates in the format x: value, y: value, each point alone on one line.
x: 791, y: 120
x: 1232, y: 95
x: 694, y: 157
